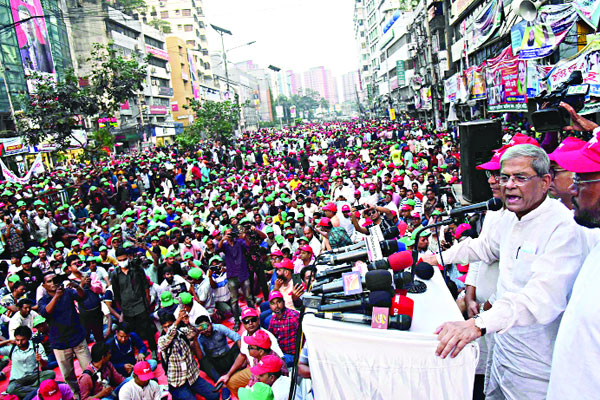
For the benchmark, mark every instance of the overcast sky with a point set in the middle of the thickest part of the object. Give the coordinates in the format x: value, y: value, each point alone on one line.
x: 290, y: 34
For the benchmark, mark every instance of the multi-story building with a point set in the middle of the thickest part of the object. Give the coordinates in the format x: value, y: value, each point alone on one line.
x: 182, y: 79
x: 350, y: 86
x: 186, y: 20
x: 321, y: 80
x: 146, y: 118
x: 362, y: 43
x: 262, y: 98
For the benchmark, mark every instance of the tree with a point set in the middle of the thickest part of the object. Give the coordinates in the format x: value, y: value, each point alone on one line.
x: 57, y: 108
x: 324, y: 103
x: 131, y: 6
x: 161, y: 25
x: 215, y: 120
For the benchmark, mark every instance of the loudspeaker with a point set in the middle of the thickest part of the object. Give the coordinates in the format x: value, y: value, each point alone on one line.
x: 478, y: 139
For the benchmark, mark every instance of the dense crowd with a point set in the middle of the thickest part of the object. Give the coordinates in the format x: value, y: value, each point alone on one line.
x: 197, y: 259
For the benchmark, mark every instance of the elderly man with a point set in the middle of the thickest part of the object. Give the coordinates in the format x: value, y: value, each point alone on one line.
x: 540, y: 249
x: 575, y: 373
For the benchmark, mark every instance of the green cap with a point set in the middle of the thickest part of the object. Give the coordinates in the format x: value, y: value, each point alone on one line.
x: 186, y: 298
x: 14, y: 278
x: 38, y: 320
x: 269, y: 229
x: 195, y: 273
x: 215, y: 258
x: 304, y: 238
x: 102, y: 248
x: 279, y: 239
x: 75, y: 243
x: 21, y: 203
x: 25, y: 260
x: 187, y: 256
x: 258, y: 391
x: 166, y: 299
x: 60, y: 245
x: 408, y: 241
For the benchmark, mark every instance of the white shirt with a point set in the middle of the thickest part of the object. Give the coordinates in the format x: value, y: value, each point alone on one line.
x: 17, y: 320
x: 575, y: 363
x: 274, y: 346
x: 196, y: 311
x: 539, y: 257
x: 131, y: 391
x: 281, y: 388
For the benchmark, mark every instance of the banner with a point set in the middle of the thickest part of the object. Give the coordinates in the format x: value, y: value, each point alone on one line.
x: 588, y: 62
x: 535, y: 73
x: 13, y: 146
x: 400, y: 73
x: 589, y: 11
x: 426, y: 98
x: 32, y: 36
x: 506, y: 83
x: 486, y: 24
x: 475, y: 83
x: 450, y: 89
x: 539, y: 38
x: 37, y: 167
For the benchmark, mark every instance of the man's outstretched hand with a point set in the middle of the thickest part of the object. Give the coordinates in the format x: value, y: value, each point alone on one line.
x: 579, y: 123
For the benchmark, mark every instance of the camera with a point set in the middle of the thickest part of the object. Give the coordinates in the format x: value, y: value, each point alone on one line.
x: 553, y: 117
x: 360, y: 207
x: 59, y: 280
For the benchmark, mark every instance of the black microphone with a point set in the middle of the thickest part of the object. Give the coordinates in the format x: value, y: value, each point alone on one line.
x: 379, y: 298
x: 388, y: 234
x: 402, y: 279
x: 492, y: 204
x: 396, y: 262
x: 424, y: 270
x: 388, y: 247
x: 400, y: 322
x: 373, y: 280
x: 331, y: 272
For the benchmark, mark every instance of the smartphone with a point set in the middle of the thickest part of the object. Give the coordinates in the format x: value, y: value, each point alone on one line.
x: 296, y: 279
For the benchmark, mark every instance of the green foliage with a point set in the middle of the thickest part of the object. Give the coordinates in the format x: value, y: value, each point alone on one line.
x: 56, y: 109
x: 216, y: 120
x: 161, y: 25
x: 131, y: 6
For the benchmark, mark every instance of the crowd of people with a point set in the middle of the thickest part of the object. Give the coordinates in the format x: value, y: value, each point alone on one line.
x: 195, y: 260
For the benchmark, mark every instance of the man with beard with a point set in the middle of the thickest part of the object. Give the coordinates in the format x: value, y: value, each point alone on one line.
x: 284, y: 325
x: 575, y: 372
x: 540, y: 250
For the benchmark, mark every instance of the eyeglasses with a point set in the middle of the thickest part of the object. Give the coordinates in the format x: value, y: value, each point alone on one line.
x: 370, y: 212
x: 555, y: 171
x: 577, y: 182
x: 249, y: 320
x: 518, y: 180
x: 253, y: 347
x: 495, y: 174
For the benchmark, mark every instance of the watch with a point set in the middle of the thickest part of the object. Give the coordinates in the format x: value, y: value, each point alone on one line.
x: 479, y: 324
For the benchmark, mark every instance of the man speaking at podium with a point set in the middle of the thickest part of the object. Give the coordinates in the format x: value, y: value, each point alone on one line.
x: 540, y: 249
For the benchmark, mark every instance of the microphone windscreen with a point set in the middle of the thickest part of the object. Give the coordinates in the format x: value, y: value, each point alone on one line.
x: 424, y: 270
x: 494, y: 204
x: 401, y: 260
x: 380, y: 298
x: 400, y: 322
x: 389, y: 247
x: 402, y: 279
x: 378, y: 280
x: 402, y: 305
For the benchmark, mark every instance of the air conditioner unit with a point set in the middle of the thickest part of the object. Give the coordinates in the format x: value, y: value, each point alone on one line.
x: 136, y: 47
x: 168, y: 67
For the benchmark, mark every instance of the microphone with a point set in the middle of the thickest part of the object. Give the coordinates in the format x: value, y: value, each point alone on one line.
x: 396, y: 262
x: 379, y: 298
x: 328, y: 273
x: 402, y: 279
x: 388, y: 234
x: 400, y: 322
x: 424, y: 270
x: 373, y: 280
x: 388, y: 247
x: 402, y: 305
x: 492, y: 204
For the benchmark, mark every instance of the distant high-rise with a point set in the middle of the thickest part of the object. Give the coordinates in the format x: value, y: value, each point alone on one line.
x: 349, y: 86
x: 320, y: 80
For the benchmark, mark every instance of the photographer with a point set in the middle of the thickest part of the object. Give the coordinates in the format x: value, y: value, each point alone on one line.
x: 26, y: 358
x: 237, y: 270
x: 66, y: 334
x: 257, y: 255
x: 378, y: 215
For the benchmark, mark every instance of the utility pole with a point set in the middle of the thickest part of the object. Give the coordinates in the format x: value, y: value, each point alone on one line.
x: 223, y: 31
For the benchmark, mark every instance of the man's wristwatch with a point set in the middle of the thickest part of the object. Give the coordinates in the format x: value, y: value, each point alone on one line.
x: 479, y: 324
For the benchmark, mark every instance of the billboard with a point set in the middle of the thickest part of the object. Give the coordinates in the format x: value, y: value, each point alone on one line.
x: 32, y: 36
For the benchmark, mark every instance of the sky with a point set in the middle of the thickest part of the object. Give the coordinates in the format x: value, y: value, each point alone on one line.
x: 290, y: 34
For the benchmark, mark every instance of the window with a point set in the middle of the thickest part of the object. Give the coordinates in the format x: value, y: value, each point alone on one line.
x: 177, y: 12
x: 191, y: 43
x: 164, y: 14
x: 157, y: 62
x: 153, y: 42
x: 179, y: 27
x: 188, y: 28
x: 186, y: 13
x: 111, y: 26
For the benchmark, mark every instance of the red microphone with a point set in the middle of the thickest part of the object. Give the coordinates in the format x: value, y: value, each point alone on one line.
x: 402, y: 305
x: 396, y: 262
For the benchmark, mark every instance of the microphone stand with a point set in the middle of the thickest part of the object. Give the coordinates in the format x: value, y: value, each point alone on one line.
x: 419, y: 286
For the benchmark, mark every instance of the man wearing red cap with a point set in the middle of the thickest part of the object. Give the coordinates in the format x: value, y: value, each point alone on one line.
x: 284, y: 284
x: 540, y: 250
x: 51, y: 390
x: 330, y: 211
x: 562, y: 179
x: 284, y: 325
x: 575, y: 370
x: 304, y: 259
x: 142, y: 386
x: 268, y: 371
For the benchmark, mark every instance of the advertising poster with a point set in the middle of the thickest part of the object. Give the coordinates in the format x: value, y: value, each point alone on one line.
x: 486, y: 24
x: 535, y: 73
x: 542, y: 36
x: 426, y: 98
x: 32, y: 36
x: 450, y: 89
x: 506, y: 84
x: 475, y: 83
x: 589, y: 11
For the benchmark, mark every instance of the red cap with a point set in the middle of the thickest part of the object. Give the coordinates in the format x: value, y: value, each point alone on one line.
x: 306, y: 248
x: 215, y: 233
x: 569, y: 144
x: 275, y: 294
x: 324, y: 221
x: 494, y: 163
x: 277, y: 253
x: 584, y: 160
x: 330, y: 207
x: 260, y: 339
x: 357, y: 192
x: 142, y: 370
x: 249, y: 312
x: 286, y: 264
x: 49, y: 390
x: 267, y: 364
x: 519, y: 138
x: 345, y: 208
